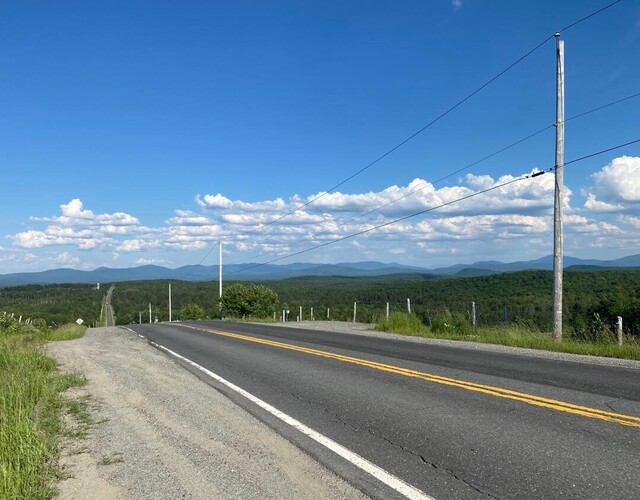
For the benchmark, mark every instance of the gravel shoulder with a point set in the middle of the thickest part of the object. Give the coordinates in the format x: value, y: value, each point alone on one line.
x: 164, y: 433
x: 367, y: 330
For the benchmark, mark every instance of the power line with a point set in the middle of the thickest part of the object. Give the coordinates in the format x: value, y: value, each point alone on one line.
x: 208, y: 253
x: 589, y: 16
x: 428, y: 125
x: 421, y: 212
x: 410, y: 193
x: 435, y: 120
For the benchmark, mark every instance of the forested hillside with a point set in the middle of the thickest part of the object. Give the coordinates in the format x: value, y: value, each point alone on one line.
x: 56, y: 304
x: 522, y: 297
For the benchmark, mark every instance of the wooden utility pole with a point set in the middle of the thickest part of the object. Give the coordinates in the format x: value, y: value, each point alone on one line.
x: 558, y: 193
x: 220, y: 271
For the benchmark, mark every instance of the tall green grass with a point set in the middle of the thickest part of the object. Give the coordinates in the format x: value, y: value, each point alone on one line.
x: 66, y: 332
x: 405, y: 323
x: 453, y: 328
x: 31, y: 404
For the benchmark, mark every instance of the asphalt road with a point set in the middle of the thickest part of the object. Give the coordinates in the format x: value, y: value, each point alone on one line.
x: 108, y: 309
x: 451, y: 422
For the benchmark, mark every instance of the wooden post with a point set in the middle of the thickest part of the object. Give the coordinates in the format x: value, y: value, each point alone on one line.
x: 387, y: 311
x: 473, y: 315
x: 619, y: 330
x: 354, y: 311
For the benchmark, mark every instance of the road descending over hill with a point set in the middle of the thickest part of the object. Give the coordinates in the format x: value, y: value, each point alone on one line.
x: 108, y: 307
x: 400, y: 418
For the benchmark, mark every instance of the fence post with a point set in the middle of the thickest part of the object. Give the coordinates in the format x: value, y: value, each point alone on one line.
x: 327, y: 313
x: 619, y: 330
x: 312, y: 314
x: 473, y: 315
x: 300, y: 313
x: 387, y: 311
x: 409, y: 305
x: 354, y: 311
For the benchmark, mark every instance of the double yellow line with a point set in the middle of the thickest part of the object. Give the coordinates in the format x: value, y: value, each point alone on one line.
x: 552, y: 404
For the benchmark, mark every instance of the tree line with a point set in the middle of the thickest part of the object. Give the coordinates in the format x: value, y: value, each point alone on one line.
x: 592, y: 299
x: 55, y: 304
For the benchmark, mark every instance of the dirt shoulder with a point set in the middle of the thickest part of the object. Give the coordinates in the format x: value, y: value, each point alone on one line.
x: 167, y: 434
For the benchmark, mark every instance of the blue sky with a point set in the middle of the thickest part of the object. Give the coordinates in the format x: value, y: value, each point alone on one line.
x: 143, y: 132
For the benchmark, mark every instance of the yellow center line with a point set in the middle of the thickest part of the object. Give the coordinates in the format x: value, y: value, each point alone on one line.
x: 553, y: 404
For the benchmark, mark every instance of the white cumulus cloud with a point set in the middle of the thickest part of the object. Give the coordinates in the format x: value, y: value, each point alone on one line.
x: 616, y: 186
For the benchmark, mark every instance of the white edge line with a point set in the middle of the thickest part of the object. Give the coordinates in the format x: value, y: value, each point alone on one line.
x: 387, y: 478
x: 133, y: 331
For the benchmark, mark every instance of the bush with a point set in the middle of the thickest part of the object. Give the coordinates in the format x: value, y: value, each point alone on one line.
x: 241, y: 300
x: 402, y: 322
x: 596, y: 331
x: 191, y: 312
x: 451, y: 323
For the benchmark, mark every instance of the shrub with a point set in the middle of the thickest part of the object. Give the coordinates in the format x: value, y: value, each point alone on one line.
x: 402, y: 322
x: 451, y: 323
x: 241, y: 300
x: 596, y: 331
x: 191, y: 312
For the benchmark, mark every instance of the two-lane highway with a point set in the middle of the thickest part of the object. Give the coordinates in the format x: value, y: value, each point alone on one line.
x: 447, y: 421
x: 108, y: 308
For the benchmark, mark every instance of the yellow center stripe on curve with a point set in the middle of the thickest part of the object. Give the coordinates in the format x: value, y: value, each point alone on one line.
x: 500, y: 392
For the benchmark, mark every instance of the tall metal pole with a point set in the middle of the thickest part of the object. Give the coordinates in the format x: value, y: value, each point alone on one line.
x: 169, y: 302
x: 559, y: 192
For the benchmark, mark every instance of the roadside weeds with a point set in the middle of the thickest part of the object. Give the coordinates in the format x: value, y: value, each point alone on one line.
x: 38, y: 410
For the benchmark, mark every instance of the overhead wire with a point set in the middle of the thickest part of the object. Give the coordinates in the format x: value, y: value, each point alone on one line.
x: 435, y: 120
x: 476, y: 162
x: 425, y: 127
x: 422, y: 212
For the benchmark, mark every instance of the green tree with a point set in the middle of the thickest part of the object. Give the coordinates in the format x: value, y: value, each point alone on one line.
x: 249, y: 300
x: 191, y: 311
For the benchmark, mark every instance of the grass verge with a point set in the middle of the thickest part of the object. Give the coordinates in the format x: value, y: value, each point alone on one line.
x: 65, y: 332
x: 515, y: 336
x: 405, y: 323
x: 31, y: 406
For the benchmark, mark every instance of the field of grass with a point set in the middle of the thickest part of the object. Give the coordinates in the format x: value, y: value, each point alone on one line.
x: 31, y: 405
x: 516, y: 336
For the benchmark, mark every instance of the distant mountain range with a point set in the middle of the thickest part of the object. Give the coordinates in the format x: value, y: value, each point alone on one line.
x: 277, y: 272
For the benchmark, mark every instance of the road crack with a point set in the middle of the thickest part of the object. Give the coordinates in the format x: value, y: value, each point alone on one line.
x: 433, y: 465
x: 338, y: 418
